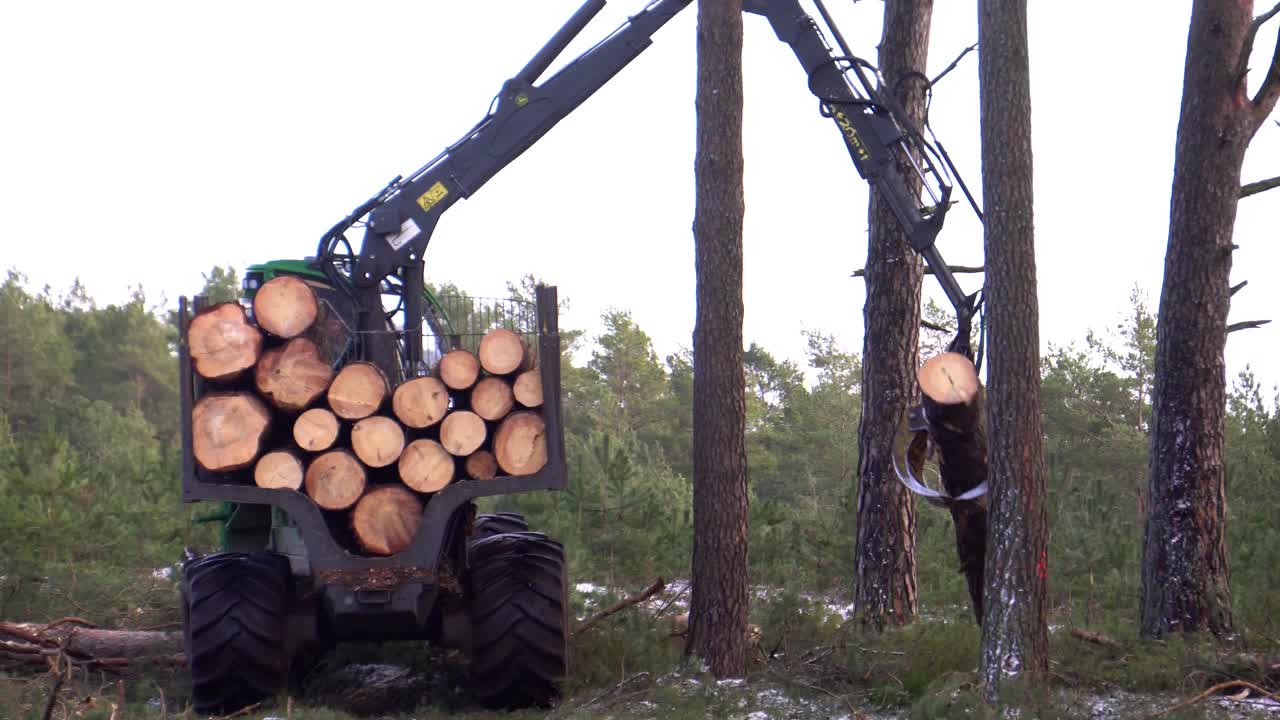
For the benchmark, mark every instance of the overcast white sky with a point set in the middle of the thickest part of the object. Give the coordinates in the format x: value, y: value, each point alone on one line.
x: 145, y: 142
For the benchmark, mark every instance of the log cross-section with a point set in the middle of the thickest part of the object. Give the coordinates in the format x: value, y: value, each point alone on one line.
x: 377, y: 441
x: 462, y: 433
x: 228, y: 430
x: 386, y: 519
x: 528, y: 388
x: 481, y: 465
x: 285, y: 306
x: 278, y: 469
x: 426, y: 466
x: 223, y: 343
x: 335, y: 480
x: 459, y: 369
x: 502, y: 351
x: 520, y: 443
x: 293, y: 375
x: 421, y: 402
x: 358, y: 391
x: 316, y: 430
x: 492, y: 398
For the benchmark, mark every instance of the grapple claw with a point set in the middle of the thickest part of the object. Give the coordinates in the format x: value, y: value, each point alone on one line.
x: 913, y: 458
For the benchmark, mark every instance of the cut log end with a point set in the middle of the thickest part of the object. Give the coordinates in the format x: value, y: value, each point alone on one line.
x: 481, y: 465
x: 949, y: 379
x: 426, y: 466
x: 386, y: 519
x: 223, y: 343
x: 528, y: 388
x: 228, y: 430
x: 502, y: 351
x: 316, y: 430
x: 520, y: 443
x: 335, y: 480
x: 285, y: 306
x: 377, y: 441
x: 293, y: 375
x: 462, y: 433
x: 459, y: 369
x: 421, y: 402
x: 492, y: 398
x: 278, y: 469
x: 358, y: 391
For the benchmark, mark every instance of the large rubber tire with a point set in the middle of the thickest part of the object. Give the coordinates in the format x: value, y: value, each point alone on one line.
x: 519, y: 620
x: 491, y: 524
x: 234, y: 617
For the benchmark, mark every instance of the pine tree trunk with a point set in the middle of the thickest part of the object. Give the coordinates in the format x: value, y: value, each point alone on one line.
x: 718, y: 609
x: 1014, y: 631
x: 1184, y: 567
x: 884, y: 554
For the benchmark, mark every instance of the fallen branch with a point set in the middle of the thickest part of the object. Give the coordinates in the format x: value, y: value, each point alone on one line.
x: 240, y: 713
x: 623, y: 604
x: 1096, y: 638
x: 1216, y: 688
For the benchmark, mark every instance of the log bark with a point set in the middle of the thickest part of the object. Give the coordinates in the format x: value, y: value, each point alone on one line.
x: 503, y: 352
x: 91, y: 645
x: 481, y: 465
x: 386, y: 519
x: 285, y: 306
x: 358, y: 391
x: 335, y: 480
x: 492, y: 398
x: 528, y: 388
x: 223, y: 343
x: 421, y: 402
x: 293, y: 375
x: 462, y: 433
x: 952, y: 403
x: 377, y: 441
x: 520, y: 443
x: 426, y: 466
x: 278, y: 469
x: 228, y: 430
x: 316, y: 430
x: 459, y: 369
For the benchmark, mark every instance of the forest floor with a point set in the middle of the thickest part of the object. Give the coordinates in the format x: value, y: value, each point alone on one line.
x: 809, y: 663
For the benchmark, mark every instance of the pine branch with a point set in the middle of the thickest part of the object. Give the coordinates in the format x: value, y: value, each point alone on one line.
x: 1237, y: 288
x: 1269, y: 92
x: 955, y: 270
x: 953, y: 64
x: 1254, y: 188
x: 1246, y: 325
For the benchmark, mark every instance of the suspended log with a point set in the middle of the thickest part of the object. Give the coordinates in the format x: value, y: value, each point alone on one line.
x: 377, y: 441
x: 492, y: 398
x: 953, y: 409
x: 481, y: 465
x: 293, y: 375
x: 462, y: 433
x: 278, y: 469
x: 335, y: 480
x: 520, y: 443
x: 459, y: 369
x: 316, y: 430
x: 503, y: 351
x: 228, y: 430
x: 426, y: 466
x: 421, y: 402
x: 223, y: 343
x: 285, y: 306
x: 358, y: 391
x: 528, y: 388
x: 386, y: 519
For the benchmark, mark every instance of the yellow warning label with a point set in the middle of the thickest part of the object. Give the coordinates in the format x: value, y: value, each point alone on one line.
x: 433, y: 195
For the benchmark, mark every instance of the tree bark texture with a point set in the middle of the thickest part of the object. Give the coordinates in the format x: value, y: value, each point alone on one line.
x: 1184, y: 566
x: 884, y: 553
x: 718, y: 609
x: 1014, y: 631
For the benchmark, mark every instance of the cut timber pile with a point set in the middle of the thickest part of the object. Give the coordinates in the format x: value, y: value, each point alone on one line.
x: 273, y: 412
x: 952, y: 398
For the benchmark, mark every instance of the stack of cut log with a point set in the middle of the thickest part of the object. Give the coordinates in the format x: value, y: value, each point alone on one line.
x: 275, y: 409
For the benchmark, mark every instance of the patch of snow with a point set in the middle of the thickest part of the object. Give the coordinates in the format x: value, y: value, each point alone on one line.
x: 587, y: 588
x: 164, y: 573
x: 731, y: 682
x: 757, y: 715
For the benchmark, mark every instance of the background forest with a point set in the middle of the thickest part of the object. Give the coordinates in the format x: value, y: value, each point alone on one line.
x: 89, y: 459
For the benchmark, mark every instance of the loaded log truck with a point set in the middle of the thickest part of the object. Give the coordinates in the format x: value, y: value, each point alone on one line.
x: 289, y: 578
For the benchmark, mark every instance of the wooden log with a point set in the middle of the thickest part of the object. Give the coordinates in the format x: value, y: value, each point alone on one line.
x: 492, y: 398
x: 278, y: 469
x: 528, y: 388
x: 293, y: 375
x: 520, y: 443
x: 316, y: 430
x: 385, y: 519
x: 503, y: 351
x: 91, y: 646
x: 223, y: 343
x: 953, y: 408
x: 459, y: 369
x: 228, y: 430
x: 481, y: 465
x: 377, y: 441
x: 285, y: 306
x: 426, y: 466
x: 421, y: 402
x: 462, y: 432
x: 358, y: 391
x: 335, y: 480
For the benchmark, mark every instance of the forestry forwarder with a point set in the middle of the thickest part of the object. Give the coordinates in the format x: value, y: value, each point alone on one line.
x: 286, y: 584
